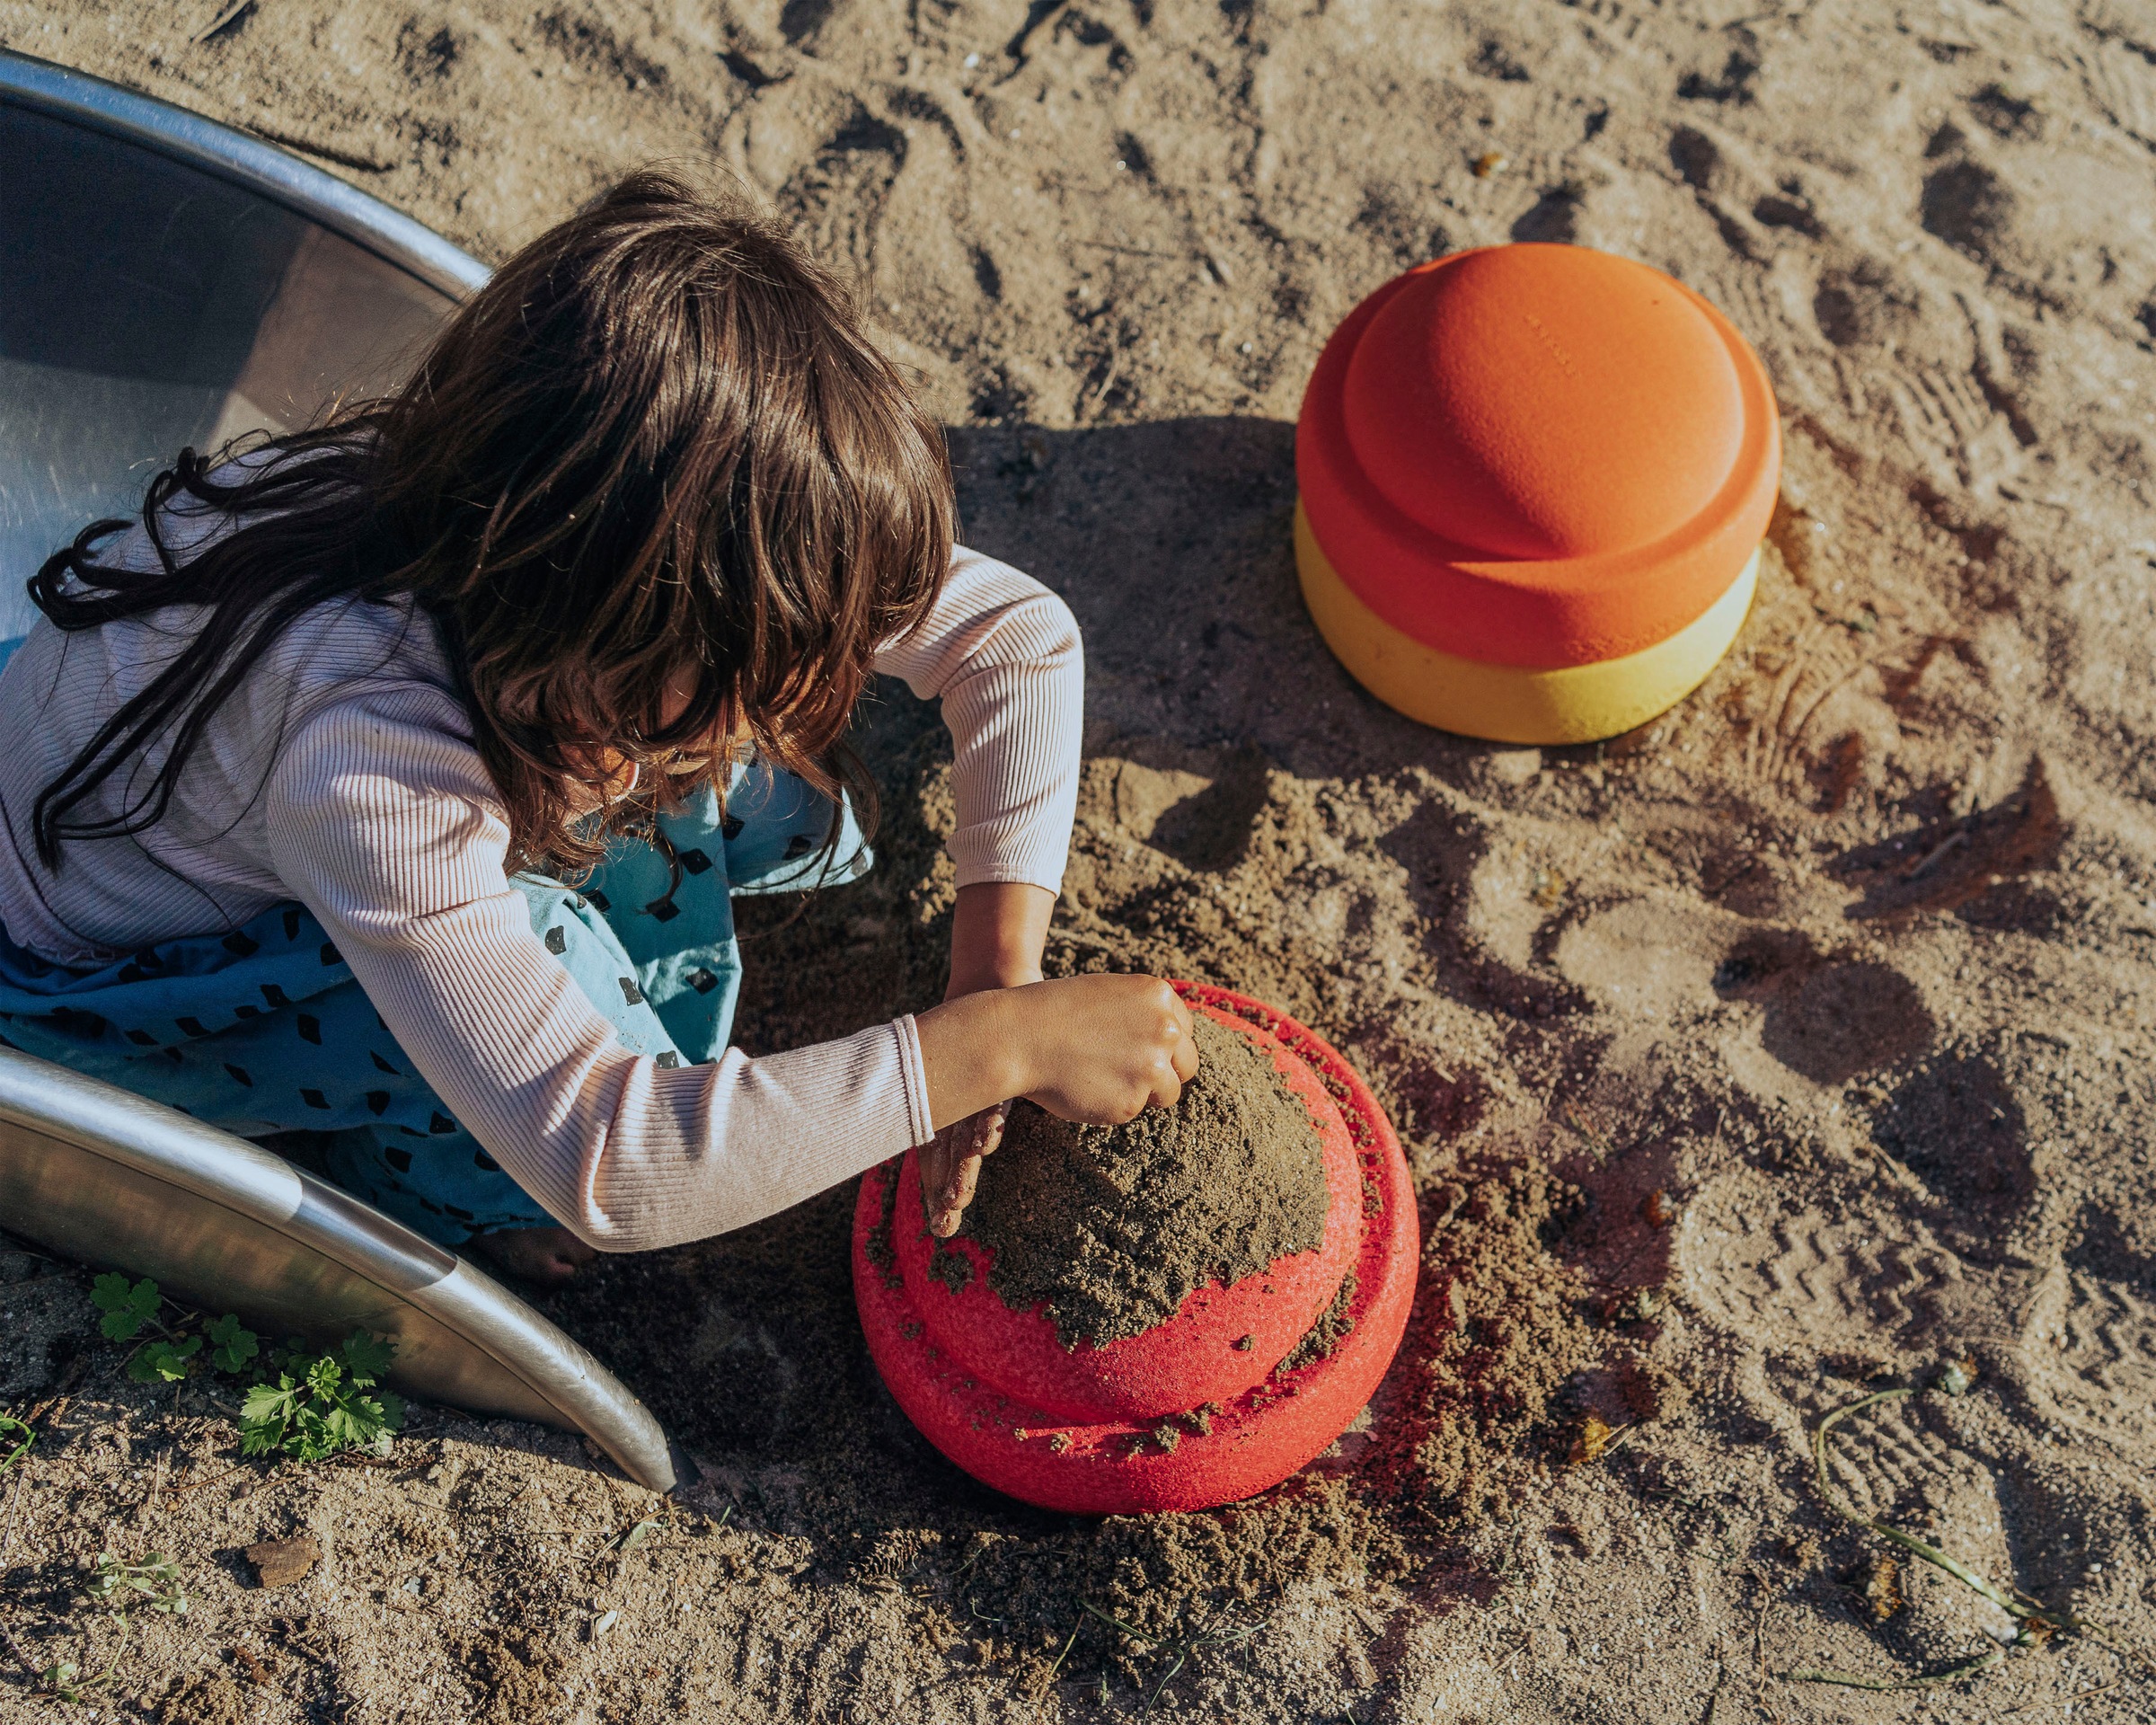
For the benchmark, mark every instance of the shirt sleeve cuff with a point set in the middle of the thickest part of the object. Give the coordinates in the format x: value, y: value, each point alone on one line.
x: 919, y: 1126
x: 1005, y: 872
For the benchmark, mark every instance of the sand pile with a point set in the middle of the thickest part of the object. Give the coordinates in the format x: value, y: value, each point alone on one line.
x: 1108, y: 1229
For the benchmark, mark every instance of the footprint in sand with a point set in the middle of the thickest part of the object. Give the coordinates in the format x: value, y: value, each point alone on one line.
x: 1826, y: 1019
x: 2090, y: 1350
x: 1840, y: 1019
x: 1957, y: 1124
x: 1813, y: 1283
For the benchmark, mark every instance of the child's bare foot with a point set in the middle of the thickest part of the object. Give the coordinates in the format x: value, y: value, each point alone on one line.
x: 546, y: 1257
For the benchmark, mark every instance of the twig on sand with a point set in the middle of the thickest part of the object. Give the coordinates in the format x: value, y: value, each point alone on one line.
x: 1180, y: 1655
x: 1100, y: 390
x: 227, y: 16
x: 1953, y: 841
x: 196, y: 1485
x: 14, y: 1503
x: 1116, y: 1622
x: 14, y: 1648
x: 328, y: 151
x: 2028, y: 1614
x: 1048, y: 1681
x: 1577, y: 1122
x: 1983, y: 1662
x: 1126, y: 250
x: 2037, y: 1621
x: 1183, y: 1646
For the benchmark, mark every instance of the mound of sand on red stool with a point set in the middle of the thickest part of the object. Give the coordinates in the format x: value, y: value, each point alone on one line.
x: 1107, y: 1230
x: 1168, y: 1315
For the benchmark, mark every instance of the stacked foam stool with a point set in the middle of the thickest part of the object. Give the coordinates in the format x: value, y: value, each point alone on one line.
x: 1534, y: 480
x: 1203, y: 1409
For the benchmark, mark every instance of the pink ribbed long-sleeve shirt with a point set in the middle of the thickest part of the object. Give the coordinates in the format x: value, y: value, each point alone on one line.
x: 342, y: 774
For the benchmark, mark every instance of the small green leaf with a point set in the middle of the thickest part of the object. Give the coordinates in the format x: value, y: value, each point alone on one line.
x: 320, y: 1403
x: 155, y: 1582
x: 159, y: 1579
x: 10, y: 1427
x: 345, y: 1426
x: 268, y: 1401
x: 104, y: 1580
x: 366, y: 1359
x: 165, y: 1362
x: 126, y: 1308
x: 266, y: 1417
x: 236, y: 1344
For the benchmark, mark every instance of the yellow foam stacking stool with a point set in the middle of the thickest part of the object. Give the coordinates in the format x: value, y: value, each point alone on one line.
x: 1534, y: 480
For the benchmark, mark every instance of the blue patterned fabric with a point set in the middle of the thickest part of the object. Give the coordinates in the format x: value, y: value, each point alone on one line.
x: 264, y: 1030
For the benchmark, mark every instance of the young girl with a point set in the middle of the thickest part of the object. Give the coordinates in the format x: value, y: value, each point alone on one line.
x: 392, y: 781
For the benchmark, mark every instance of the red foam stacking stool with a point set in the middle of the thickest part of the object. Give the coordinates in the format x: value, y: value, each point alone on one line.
x: 1181, y: 1416
x: 1534, y: 480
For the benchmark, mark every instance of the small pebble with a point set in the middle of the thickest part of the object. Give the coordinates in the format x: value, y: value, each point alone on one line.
x: 279, y: 1563
x: 1489, y: 163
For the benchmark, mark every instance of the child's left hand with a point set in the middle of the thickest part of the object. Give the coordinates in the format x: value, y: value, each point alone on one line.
x: 951, y: 1165
x: 996, y: 937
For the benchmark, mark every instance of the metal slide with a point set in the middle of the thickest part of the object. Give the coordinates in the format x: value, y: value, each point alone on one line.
x: 166, y: 281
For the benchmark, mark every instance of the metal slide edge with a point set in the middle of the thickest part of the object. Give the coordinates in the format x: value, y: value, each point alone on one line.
x: 275, y: 173
x: 164, y: 1145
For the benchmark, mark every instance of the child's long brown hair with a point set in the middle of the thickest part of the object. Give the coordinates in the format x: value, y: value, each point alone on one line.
x: 654, y: 458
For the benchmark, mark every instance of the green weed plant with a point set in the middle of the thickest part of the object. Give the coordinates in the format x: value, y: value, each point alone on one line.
x: 307, y: 1403
x: 322, y: 1404
x: 154, y: 1582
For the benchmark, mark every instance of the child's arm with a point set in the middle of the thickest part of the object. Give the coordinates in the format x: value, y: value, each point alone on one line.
x: 996, y: 936
x: 382, y: 818
x: 1002, y: 653
x: 1002, y: 656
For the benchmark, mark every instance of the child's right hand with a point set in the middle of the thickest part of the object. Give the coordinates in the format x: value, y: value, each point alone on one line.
x: 1093, y: 1049
x: 1103, y: 1049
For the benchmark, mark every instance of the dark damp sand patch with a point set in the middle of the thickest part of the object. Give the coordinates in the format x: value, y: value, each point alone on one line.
x: 1326, y: 1334
x: 1110, y: 1229
x: 952, y: 1268
x: 1503, y: 1326
x: 882, y: 1254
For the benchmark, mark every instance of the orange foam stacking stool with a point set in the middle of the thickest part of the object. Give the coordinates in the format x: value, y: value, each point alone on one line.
x: 1534, y: 480
x: 1202, y: 1408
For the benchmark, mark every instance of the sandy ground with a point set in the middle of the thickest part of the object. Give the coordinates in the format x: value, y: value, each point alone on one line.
x: 1848, y: 959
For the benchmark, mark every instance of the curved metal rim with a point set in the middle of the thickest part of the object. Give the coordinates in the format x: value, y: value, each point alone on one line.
x: 108, y: 1122
x: 276, y: 174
